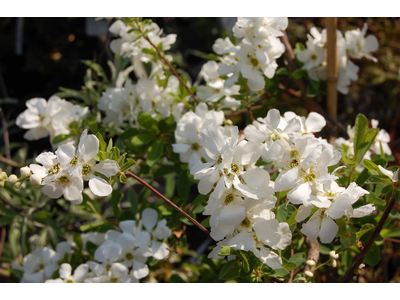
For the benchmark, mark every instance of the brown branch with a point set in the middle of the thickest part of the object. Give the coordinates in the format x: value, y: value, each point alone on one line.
x: 331, y: 67
x: 6, y: 136
x: 250, y: 114
x: 291, y: 254
x: 2, y: 239
x: 377, y: 230
x: 313, y: 253
x: 255, y: 107
x: 169, y: 202
x: 171, y: 68
x: 10, y: 162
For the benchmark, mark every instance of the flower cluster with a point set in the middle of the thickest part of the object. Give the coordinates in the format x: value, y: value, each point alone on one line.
x: 126, y: 102
x: 353, y: 45
x: 120, y: 256
x: 257, y: 53
x: 64, y: 171
x: 49, y: 118
x: 132, y: 44
x: 242, y: 200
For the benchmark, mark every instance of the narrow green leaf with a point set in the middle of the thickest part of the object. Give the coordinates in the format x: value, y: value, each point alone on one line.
x: 116, y: 197
x: 62, y: 137
x: 156, y: 150
x: 226, y: 250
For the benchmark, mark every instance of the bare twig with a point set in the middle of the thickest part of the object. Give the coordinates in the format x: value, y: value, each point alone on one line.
x: 313, y: 253
x: 171, y: 68
x: 360, y: 258
x: 331, y: 67
x: 10, y: 162
x: 291, y: 254
x: 2, y: 239
x: 169, y: 202
x: 255, y: 107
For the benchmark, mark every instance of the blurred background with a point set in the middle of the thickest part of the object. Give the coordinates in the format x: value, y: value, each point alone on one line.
x: 40, y: 55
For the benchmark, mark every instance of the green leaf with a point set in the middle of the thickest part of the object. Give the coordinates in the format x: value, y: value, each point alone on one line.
x: 128, y: 164
x: 298, y: 258
x: 390, y: 233
x: 78, y: 240
x: 299, y: 73
x: 102, y: 144
x: 123, y: 179
x: 285, y: 211
x: 364, y: 137
x: 206, y: 222
x: 363, y: 177
x: 133, y: 199
x: 184, y: 185
x: 156, y: 150
x: 373, y: 199
x: 288, y: 265
x: 62, y: 137
x: 6, y: 220
x: 373, y: 256
x: 349, y: 162
x: 226, y: 250
x: 176, y: 279
x: 116, y: 197
x: 349, y: 240
x: 95, y: 67
x: 229, y: 271
x: 245, y: 262
x: 90, y: 226
x: 146, y: 121
x: 279, y: 273
x: 143, y: 138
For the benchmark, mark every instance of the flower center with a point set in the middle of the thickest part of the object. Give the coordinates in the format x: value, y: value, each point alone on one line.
x: 246, y: 222
x: 129, y: 256
x: 63, y: 180
x: 228, y: 199
x: 86, y: 169
x: 254, y: 61
x: 309, y: 177
x: 114, y: 280
x: 219, y: 160
x: 73, y: 161
x: 69, y: 281
x: 235, y: 168
x: 55, y: 169
x: 195, y: 147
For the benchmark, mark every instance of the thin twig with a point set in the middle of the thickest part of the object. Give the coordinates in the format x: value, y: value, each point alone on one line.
x: 6, y: 136
x: 331, y: 67
x: 169, y: 202
x: 255, y: 107
x: 291, y: 254
x: 171, y: 68
x: 360, y: 258
x: 2, y: 239
x: 10, y: 162
x: 313, y: 253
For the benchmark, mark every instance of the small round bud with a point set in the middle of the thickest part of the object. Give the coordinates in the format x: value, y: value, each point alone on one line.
x: 309, y: 273
x: 333, y: 255
x: 12, y: 179
x: 17, y: 185
x: 361, y: 266
x: 310, y: 262
x: 334, y: 263
x: 35, y: 179
x: 25, y: 172
x: 3, y: 176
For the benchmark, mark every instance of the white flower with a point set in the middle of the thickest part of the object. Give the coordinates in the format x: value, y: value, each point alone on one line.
x: 68, y: 185
x: 382, y: 138
x: 84, y: 164
x: 66, y: 276
x: 39, y: 265
x: 393, y: 176
x: 359, y: 46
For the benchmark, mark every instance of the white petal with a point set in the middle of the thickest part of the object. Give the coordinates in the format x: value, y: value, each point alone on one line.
x: 149, y: 218
x: 126, y: 241
x: 88, y: 147
x: 160, y: 250
x: 118, y: 270
x: 81, y: 272
x: 65, y: 271
x: 315, y: 122
x: 53, y: 190
x: 311, y: 228
x: 232, y: 214
x: 339, y: 206
x: 99, y: 186
x: 139, y: 269
x: 107, y: 167
x: 300, y: 194
x: 328, y: 230
x: 65, y: 153
x: 73, y: 194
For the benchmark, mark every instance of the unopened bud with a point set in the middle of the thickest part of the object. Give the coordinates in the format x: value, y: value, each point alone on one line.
x: 17, y: 185
x: 35, y: 179
x: 333, y: 254
x: 12, y: 179
x: 309, y: 273
x: 334, y: 263
x: 3, y: 176
x: 1, y: 183
x: 25, y: 172
x: 361, y: 266
x: 310, y: 262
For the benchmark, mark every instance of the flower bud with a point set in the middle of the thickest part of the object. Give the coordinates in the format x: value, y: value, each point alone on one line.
x: 12, y: 179
x: 1, y: 183
x: 17, y: 185
x: 25, y: 172
x: 309, y: 273
x: 310, y: 262
x: 361, y: 266
x: 333, y: 255
x: 35, y: 179
x: 3, y: 176
x: 334, y: 263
